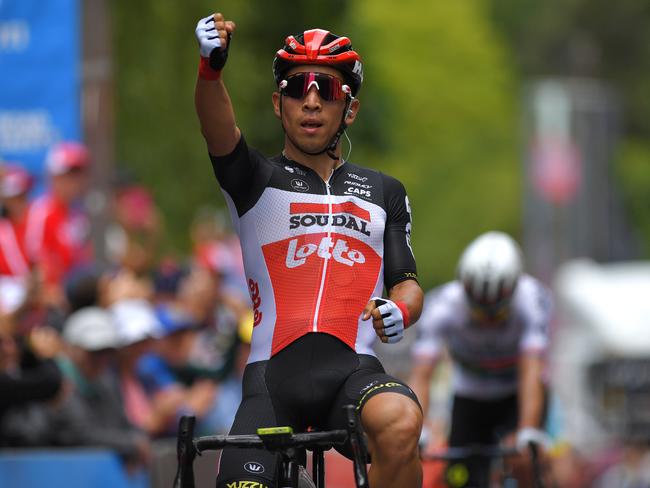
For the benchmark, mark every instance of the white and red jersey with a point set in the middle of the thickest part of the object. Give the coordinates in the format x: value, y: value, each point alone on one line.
x: 14, y: 264
x: 14, y: 260
x: 314, y: 251
x: 485, y: 357
x: 57, y: 237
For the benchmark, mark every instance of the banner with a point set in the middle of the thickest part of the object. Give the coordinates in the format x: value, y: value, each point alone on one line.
x: 39, y: 79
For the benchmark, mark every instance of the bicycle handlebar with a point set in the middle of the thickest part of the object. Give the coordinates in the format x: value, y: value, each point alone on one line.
x: 455, y: 453
x: 305, y: 440
x: 188, y: 447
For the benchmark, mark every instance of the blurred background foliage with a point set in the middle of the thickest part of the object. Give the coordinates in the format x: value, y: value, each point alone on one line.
x: 441, y: 101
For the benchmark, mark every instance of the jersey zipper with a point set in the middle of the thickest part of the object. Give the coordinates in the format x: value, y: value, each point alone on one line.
x: 327, y: 256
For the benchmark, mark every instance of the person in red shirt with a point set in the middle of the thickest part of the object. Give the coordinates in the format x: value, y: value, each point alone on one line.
x: 15, y: 184
x: 58, y: 228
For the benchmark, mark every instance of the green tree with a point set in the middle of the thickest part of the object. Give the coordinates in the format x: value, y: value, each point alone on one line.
x: 439, y: 89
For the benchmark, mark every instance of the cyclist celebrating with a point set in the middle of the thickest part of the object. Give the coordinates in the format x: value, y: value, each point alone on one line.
x: 493, y: 321
x: 321, y: 238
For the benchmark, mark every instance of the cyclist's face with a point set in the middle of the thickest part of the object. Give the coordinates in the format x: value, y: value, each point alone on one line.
x: 490, y: 316
x: 70, y: 185
x: 312, y: 120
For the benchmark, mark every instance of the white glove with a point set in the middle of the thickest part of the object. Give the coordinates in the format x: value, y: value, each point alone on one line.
x: 392, y: 317
x: 207, y: 35
x: 529, y: 435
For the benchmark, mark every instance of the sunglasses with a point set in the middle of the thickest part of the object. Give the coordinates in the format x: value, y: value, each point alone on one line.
x: 330, y: 88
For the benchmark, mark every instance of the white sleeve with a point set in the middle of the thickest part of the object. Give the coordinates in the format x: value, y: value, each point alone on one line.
x: 537, y: 309
x: 429, y: 343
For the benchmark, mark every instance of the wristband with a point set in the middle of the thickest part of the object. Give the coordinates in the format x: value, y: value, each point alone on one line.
x: 206, y: 72
x: 406, y: 318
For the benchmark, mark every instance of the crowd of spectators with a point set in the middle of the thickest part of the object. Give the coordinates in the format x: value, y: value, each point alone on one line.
x: 112, y: 354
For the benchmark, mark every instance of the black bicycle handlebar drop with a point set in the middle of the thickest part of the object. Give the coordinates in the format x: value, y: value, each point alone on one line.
x: 358, y: 445
x: 185, y: 452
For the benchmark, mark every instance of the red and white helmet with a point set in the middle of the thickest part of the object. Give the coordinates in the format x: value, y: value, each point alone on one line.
x: 320, y: 47
x: 489, y: 268
x: 66, y: 156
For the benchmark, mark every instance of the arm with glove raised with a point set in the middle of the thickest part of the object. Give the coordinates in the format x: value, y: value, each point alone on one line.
x: 211, y: 99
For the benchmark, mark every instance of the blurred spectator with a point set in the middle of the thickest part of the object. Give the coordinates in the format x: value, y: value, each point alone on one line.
x: 218, y: 316
x: 27, y: 374
x: 134, y: 235
x: 125, y: 284
x: 217, y: 248
x: 92, y: 414
x: 58, y: 228
x: 138, y: 327
x: 16, y: 275
x: 166, y: 280
x: 83, y: 288
x: 158, y: 370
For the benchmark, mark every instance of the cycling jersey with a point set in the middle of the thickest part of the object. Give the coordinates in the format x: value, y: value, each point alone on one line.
x: 484, y: 357
x: 314, y: 251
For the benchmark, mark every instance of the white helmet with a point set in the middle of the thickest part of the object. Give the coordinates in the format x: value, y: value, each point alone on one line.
x: 489, y: 268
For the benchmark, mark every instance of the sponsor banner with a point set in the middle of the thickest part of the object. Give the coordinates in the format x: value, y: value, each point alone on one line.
x: 39, y: 81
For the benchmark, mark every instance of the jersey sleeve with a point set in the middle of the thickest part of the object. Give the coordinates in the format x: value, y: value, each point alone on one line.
x: 537, y: 306
x: 399, y: 261
x: 429, y: 343
x: 242, y: 174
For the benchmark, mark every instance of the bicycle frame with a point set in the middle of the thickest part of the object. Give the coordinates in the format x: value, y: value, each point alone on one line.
x: 278, y: 440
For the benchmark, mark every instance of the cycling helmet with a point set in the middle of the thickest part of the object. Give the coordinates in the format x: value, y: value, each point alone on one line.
x: 320, y: 47
x: 66, y: 156
x: 489, y: 269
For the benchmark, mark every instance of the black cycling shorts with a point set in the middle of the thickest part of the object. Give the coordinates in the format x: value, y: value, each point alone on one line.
x: 480, y: 422
x: 305, y: 385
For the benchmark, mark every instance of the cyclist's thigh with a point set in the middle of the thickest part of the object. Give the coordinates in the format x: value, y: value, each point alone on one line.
x: 256, y: 466
x: 506, y: 416
x: 368, y: 380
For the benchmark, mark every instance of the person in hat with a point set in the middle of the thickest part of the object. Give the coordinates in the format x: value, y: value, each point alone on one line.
x: 58, y: 231
x: 18, y: 277
x: 92, y: 413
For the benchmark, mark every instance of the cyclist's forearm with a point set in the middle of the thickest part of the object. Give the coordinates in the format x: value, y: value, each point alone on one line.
x: 531, y: 392
x: 420, y: 383
x: 409, y: 293
x: 216, y: 116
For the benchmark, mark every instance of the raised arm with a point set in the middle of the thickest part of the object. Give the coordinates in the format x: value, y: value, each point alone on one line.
x: 213, y: 105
